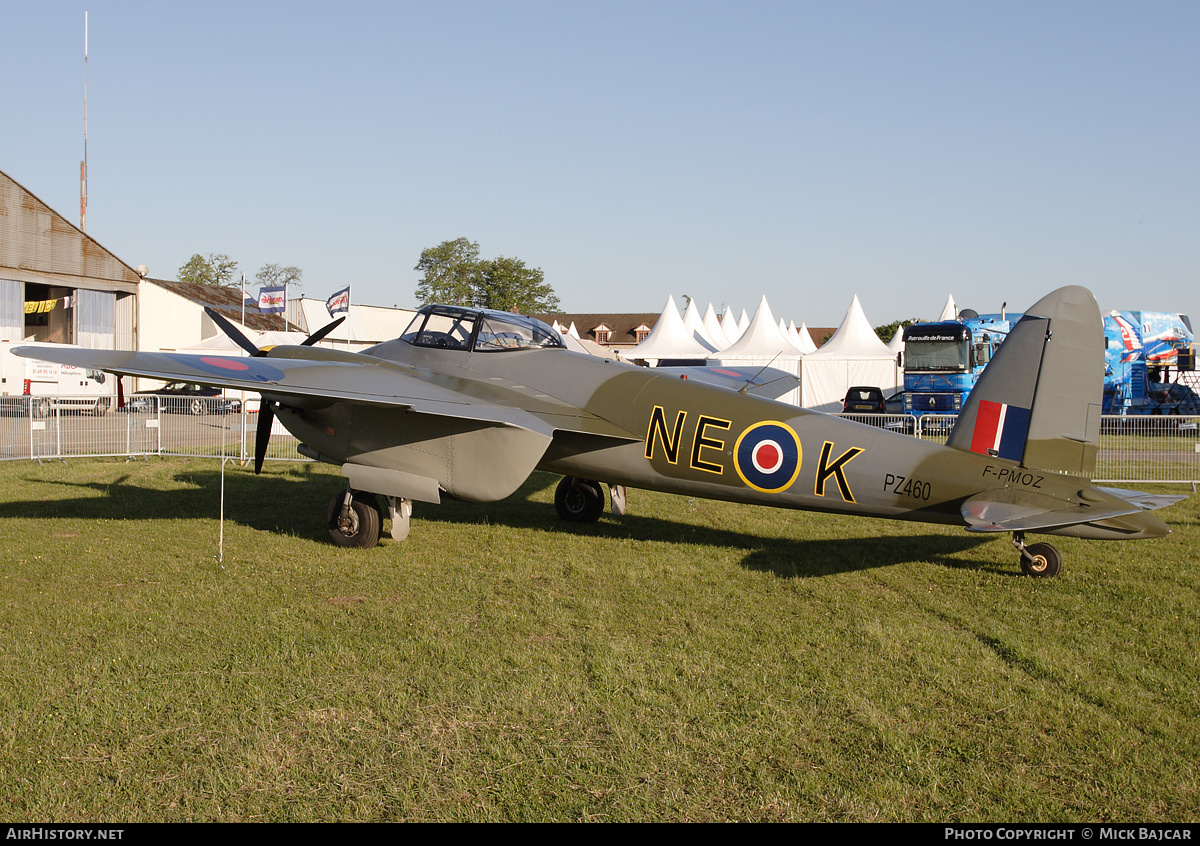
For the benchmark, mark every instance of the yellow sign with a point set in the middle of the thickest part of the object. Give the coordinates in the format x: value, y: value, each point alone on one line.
x: 34, y: 307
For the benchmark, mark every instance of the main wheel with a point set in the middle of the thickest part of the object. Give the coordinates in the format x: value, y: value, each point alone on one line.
x: 356, y: 525
x: 578, y: 500
x: 1045, y: 560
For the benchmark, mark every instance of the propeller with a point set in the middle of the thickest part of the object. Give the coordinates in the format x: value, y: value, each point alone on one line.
x: 322, y: 332
x: 266, y: 407
x: 234, y: 333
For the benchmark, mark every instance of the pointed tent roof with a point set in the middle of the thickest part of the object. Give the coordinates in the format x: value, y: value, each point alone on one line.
x: 762, y: 338
x: 669, y: 339
x: 713, y: 325
x: 695, y: 326
x: 854, y: 338
x: 949, y: 310
x: 729, y: 325
x: 801, y: 338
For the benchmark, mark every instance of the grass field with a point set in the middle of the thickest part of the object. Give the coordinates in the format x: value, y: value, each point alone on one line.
x: 693, y: 660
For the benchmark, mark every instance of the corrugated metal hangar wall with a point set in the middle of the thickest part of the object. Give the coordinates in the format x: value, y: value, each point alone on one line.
x: 56, y: 283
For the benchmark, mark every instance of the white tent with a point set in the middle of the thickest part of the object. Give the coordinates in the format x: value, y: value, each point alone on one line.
x: 713, y: 327
x: 896, y: 348
x: 729, y: 325
x: 853, y: 356
x: 762, y: 345
x: 694, y: 323
x: 949, y: 310
x: 584, y: 345
x: 669, y: 340
x: 801, y: 338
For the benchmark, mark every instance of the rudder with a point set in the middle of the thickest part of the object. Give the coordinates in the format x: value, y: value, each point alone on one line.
x: 1038, y: 401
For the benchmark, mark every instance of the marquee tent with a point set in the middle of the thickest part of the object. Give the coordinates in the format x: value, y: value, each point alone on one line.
x: 669, y: 341
x: 762, y: 345
x: 853, y: 356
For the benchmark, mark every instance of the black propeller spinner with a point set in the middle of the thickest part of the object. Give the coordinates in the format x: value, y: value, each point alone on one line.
x: 266, y: 408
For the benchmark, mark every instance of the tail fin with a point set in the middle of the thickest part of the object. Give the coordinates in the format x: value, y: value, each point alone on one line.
x: 1038, y: 402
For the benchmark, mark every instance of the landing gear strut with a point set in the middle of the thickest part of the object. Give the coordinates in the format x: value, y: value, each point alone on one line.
x: 400, y: 510
x: 1038, y: 559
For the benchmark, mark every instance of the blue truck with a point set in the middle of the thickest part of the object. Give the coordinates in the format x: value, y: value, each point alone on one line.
x: 942, y: 361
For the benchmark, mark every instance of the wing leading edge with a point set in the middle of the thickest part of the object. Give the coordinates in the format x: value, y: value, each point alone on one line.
x: 315, y: 377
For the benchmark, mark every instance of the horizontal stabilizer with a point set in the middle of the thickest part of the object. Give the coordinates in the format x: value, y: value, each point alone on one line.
x: 1098, y: 513
x: 1146, y: 501
x: 999, y: 511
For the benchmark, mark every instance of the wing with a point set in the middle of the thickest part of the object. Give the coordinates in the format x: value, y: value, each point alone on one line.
x: 313, y: 377
x: 1094, y: 513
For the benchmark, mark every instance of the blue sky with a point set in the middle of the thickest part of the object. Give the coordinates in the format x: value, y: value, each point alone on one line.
x: 808, y: 151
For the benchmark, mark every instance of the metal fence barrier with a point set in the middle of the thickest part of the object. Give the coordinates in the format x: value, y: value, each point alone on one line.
x: 1132, y: 449
x: 61, y: 428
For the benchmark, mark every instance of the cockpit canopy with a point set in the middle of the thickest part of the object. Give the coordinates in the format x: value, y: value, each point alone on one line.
x: 478, y: 330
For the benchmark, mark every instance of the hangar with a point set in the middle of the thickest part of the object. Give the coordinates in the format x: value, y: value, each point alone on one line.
x: 57, y: 283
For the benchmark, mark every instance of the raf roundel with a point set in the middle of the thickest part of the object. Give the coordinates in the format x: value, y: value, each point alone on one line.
x: 767, y: 456
x: 248, y: 369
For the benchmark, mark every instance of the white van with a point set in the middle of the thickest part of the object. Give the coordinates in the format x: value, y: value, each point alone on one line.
x: 30, y: 386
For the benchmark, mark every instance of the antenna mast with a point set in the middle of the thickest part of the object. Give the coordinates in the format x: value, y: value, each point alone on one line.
x: 83, y: 164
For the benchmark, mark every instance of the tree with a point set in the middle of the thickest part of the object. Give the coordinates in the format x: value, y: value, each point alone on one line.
x: 449, y: 273
x: 889, y: 330
x: 272, y: 276
x: 452, y: 273
x: 506, y: 284
x: 213, y: 269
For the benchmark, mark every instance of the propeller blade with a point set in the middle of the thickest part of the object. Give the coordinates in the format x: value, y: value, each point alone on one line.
x: 233, y: 332
x: 322, y: 332
x: 262, y: 435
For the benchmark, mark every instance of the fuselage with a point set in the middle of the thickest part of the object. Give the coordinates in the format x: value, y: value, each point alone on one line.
x: 683, y: 436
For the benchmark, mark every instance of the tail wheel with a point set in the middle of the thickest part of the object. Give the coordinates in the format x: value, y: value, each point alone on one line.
x: 579, y: 500
x: 353, y: 520
x: 1041, y: 560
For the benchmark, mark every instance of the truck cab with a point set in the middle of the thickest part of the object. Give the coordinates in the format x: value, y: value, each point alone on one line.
x: 942, y: 361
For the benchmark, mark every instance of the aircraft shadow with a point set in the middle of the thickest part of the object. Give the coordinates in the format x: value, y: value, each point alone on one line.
x: 294, y: 502
x: 783, y: 557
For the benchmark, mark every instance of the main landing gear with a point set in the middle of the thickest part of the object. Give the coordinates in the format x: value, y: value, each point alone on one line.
x: 355, y: 518
x: 1037, y: 559
x: 582, y: 500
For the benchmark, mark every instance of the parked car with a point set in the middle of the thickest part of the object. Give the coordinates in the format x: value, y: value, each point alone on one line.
x: 893, y: 403
x: 184, y: 398
x: 863, y: 400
